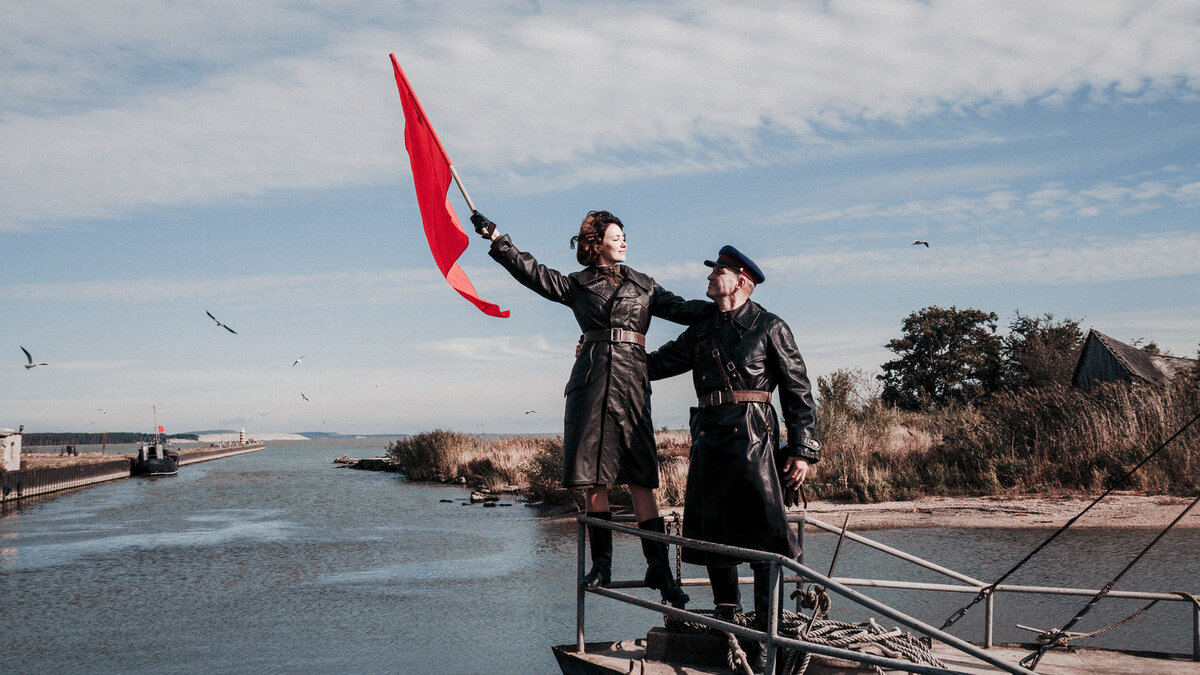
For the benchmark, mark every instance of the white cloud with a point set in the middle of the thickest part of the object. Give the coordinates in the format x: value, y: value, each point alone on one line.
x: 307, y: 289
x: 1052, y: 202
x: 273, y: 97
x: 505, y: 348
x: 1011, y: 262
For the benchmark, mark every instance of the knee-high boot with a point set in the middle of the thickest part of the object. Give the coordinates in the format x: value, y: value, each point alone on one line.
x: 658, y: 570
x: 601, y: 541
x: 762, y: 593
x: 726, y: 595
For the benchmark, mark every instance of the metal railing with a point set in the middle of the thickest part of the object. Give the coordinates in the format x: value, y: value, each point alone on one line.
x: 975, y: 586
x: 777, y: 564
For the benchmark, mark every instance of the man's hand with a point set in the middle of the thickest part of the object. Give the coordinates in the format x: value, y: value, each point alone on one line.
x: 795, y: 470
x: 484, y: 227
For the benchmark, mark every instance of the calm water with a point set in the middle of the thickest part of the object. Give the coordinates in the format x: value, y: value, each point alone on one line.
x: 278, y: 561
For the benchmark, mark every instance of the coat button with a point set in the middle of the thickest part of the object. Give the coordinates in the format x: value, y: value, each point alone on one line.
x: 735, y: 430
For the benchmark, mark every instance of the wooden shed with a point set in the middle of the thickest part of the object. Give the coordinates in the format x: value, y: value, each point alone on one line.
x: 1104, y: 359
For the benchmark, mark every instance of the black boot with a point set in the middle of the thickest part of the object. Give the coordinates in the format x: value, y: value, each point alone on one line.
x: 601, y: 540
x: 726, y: 594
x: 658, y: 572
x: 762, y: 594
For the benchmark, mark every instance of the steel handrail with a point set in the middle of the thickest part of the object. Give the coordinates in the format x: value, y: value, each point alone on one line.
x: 977, y: 586
x: 772, y: 638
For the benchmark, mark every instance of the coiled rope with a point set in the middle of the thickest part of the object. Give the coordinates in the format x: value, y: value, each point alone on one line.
x: 867, y: 637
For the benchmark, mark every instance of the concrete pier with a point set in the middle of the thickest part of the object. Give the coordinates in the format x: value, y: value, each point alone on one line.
x: 31, y: 482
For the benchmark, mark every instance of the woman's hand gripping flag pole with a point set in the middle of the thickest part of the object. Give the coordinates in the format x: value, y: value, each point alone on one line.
x: 432, y: 173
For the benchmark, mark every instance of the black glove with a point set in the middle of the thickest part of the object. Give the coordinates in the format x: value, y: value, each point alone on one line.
x: 483, y: 226
x: 794, y: 495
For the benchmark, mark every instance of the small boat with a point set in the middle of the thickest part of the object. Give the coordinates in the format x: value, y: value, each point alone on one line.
x: 155, y: 459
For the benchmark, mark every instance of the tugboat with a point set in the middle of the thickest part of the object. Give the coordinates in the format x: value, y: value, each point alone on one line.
x: 155, y: 459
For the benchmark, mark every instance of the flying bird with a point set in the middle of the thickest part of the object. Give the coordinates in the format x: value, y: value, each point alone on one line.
x: 530, y: 411
x: 303, y: 396
x: 921, y: 243
x: 297, y: 361
x: 29, y: 358
x: 219, y: 322
x: 102, y: 411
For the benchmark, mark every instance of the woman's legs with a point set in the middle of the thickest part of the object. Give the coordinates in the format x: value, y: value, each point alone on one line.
x: 658, y: 571
x: 596, y: 502
x: 645, y: 504
x: 595, y: 498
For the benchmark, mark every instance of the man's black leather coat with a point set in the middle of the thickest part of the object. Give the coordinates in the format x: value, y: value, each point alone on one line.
x: 608, y: 436
x: 734, y: 495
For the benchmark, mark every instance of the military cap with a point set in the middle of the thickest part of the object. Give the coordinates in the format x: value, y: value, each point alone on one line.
x: 737, y: 261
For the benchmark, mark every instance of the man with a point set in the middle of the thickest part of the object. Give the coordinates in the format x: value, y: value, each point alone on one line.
x: 735, y: 493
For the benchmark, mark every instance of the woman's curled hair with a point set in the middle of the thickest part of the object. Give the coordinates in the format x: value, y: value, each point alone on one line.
x: 591, y: 235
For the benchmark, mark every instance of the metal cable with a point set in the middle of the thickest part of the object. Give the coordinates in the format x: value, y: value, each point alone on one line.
x: 1031, y: 661
x: 992, y: 588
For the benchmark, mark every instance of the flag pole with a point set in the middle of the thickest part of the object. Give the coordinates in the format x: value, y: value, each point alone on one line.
x: 461, y: 188
x: 400, y: 76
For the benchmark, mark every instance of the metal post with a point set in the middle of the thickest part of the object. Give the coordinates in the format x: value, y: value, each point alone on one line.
x: 800, y: 558
x: 774, y: 576
x: 1195, y: 632
x: 988, y: 620
x: 579, y: 593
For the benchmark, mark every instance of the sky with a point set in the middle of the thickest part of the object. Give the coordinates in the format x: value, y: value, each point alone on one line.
x: 163, y: 160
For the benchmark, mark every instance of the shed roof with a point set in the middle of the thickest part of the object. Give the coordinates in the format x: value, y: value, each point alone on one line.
x: 1141, y: 365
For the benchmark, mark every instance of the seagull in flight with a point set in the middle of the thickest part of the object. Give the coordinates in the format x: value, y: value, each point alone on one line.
x: 297, y: 361
x: 303, y: 396
x: 530, y: 411
x: 102, y: 411
x: 921, y: 243
x: 29, y: 358
x: 219, y: 322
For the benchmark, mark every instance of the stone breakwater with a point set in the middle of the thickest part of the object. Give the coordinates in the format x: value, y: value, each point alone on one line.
x: 16, y: 485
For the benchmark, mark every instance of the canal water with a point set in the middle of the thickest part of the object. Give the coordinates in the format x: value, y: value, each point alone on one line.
x: 279, y: 561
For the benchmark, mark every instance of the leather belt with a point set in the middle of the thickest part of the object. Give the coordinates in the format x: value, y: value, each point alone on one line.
x: 613, y: 335
x: 722, y: 396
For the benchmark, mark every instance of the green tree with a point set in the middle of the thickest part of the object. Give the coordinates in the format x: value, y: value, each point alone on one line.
x: 945, y: 355
x: 1039, y: 351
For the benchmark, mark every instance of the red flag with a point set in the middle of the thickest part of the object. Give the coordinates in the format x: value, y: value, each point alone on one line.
x: 160, y: 429
x: 431, y: 178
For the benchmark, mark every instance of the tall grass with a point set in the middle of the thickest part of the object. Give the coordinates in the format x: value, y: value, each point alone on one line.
x: 533, y: 465
x: 1051, y: 440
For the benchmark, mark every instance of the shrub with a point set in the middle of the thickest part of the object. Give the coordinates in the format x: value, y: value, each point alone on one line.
x: 431, y: 455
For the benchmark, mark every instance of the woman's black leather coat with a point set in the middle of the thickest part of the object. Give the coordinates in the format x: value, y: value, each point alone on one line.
x: 608, y: 436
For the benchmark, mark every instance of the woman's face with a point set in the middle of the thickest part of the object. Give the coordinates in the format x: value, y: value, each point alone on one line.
x: 612, y: 247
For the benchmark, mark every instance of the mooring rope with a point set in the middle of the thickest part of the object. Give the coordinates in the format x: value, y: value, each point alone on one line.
x: 1117, y: 484
x: 866, y: 637
x: 1031, y: 661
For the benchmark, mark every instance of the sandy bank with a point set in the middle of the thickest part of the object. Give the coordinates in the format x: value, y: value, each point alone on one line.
x: 1118, y: 510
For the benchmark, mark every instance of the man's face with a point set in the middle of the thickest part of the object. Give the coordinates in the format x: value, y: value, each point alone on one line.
x: 722, y: 282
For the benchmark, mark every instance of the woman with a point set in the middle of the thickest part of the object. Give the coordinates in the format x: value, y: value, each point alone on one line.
x: 608, y: 436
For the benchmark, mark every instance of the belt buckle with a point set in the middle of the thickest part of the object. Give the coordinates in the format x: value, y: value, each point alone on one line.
x: 615, y: 335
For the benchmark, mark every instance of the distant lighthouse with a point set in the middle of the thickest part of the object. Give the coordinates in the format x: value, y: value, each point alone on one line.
x: 242, y: 436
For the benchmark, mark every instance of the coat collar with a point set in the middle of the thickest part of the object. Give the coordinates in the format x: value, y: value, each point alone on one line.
x: 590, y: 277
x: 743, y: 317
x: 747, y: 315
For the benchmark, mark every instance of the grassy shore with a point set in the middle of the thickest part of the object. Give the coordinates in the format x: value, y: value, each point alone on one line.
x: 1050, y: 442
